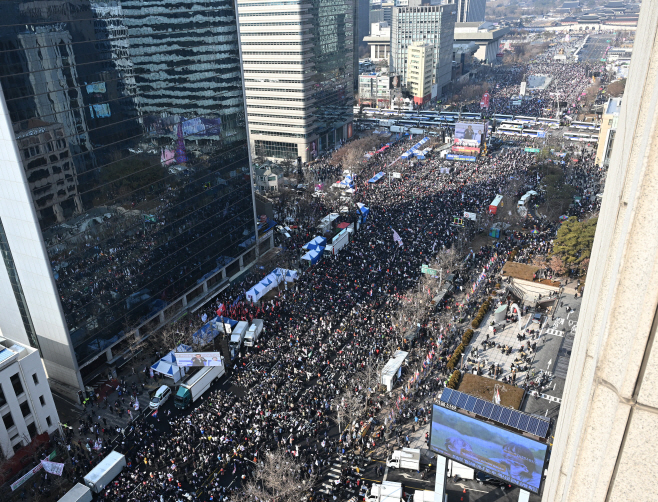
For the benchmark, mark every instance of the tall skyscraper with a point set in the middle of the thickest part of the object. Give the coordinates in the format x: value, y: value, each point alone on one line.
x: 470, y: 11
x: 432, y: 24
x: 125, y: 193
x: 299, y: 69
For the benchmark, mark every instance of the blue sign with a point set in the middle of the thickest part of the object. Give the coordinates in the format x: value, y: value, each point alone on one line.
x: 467, y: 158
x: 501, y: 453
x: 541, y: 134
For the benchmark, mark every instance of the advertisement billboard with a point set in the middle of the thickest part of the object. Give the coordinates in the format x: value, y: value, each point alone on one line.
x: 501, y: 453
x: 469, y: 150
x: 197, y: 359
x: 469, y: 133
x: 466, y: 158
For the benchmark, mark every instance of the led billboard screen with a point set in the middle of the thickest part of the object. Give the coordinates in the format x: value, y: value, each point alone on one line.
x: 469, y: 133
x: 198, y: 359
x: 501, y: 453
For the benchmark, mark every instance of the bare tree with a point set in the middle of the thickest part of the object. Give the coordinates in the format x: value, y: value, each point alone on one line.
x: 279, y: 477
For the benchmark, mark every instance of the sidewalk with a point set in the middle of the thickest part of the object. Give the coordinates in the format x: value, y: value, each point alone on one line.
x: 71, y: 413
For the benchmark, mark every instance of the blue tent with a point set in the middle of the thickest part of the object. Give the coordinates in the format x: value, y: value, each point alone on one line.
x: 376, y: 177
x: 312, y: 256
x: 364, y: 211
x: 317, y: 242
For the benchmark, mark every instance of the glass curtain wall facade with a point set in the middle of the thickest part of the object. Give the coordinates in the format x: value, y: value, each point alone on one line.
x: 298, y: 58
x: 128, y: 118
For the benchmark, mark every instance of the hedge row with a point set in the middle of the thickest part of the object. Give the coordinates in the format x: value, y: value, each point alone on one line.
x: 453, y: 382
x: 466, y: 337
x: 455, y: 358
x: 481, y: 313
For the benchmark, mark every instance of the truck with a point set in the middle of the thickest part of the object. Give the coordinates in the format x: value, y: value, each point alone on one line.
x: 253, y: 333
x: 388, y: 491
x: 79, y: 493
x: 108, y: 469
x: 460, y: 471
x: 237, y: 336
x: 406, y: 458
x: 424, y: 496
x: 196, y: 384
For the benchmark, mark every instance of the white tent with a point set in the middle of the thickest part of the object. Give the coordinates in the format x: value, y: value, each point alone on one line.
x: 392, y: 369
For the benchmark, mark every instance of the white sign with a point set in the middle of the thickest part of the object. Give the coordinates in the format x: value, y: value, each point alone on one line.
x: 26, y: 476
x: 397, y: 175
x: 470, y: 216
x: 52, y: 467
x: 522, y: 91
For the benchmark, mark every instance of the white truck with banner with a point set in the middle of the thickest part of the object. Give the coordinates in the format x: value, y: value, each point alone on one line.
x: 253, y: 333
x: 196, y: 384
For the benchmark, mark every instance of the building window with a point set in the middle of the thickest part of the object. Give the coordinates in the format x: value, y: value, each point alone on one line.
x: 32, y: 429
x: 49, y: 422
x: 25, y: 409
x: 16, y: 383
x: 275, y: 149
x: 3, y: 401
x: 8, y: 421
x: 35, y: 378
x: 42, y: 401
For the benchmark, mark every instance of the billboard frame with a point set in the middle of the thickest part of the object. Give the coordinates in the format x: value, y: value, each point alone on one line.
x: 453, y: 409
x: 205, y: 356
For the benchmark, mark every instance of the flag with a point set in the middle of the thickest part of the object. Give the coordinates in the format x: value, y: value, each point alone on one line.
x: 155, y: 413
x: 497, y: 396
x: 396, y: 238
x: 52, y: 467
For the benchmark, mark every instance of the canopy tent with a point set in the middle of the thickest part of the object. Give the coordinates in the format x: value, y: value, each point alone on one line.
x: 364, y: 211
x: 415, y: 150
x: 169, y: 369
x: 312, y: 256
x: 205, y: 334
x: 317, y: 242
x: 343, y: 225
x: 286, y: 275
x: 185, y: 348
x: 376, y: 177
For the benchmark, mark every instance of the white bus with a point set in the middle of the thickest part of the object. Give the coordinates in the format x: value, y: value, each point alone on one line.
x: 580, y: 136
x: 512, y: 124
x: 552, y: 123
x: 590, y: 126
x: 498, y: 116
x: 525, y: 120
x: 534, y: 133
x: 509, y: 131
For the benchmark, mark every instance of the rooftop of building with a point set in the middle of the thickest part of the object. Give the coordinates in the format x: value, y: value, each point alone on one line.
x: 11, y: 351
x: 613, y: 107
x: 486, y: 31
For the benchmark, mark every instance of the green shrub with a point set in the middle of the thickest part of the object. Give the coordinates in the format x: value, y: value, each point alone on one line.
x: 453, y: 382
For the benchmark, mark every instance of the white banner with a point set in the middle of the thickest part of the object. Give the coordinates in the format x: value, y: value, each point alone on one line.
x: 52, y: 467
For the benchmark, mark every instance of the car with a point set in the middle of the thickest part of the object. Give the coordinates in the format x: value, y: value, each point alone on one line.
x: 160, y: 397
x: 484, y: 478
x: 536, y: 318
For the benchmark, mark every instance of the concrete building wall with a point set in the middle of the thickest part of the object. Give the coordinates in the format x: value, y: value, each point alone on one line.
x: 605, y: 440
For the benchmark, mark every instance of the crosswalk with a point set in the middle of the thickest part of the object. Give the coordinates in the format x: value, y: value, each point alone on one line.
x: 332, y: 480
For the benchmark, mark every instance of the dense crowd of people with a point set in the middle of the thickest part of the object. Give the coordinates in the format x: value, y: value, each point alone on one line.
x: 342, y: 316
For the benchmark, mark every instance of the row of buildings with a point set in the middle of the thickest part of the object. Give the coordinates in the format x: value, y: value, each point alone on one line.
x: 406, y: 33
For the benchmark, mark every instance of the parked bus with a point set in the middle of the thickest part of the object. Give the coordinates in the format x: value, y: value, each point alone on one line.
x: 498, y: 117
x: 552, y: 123
x: 591, y: 126
x: 525, y: 120
x: 580, y: 136
x: 534, y: 133
x: 509, y: 131
x: 471, y: 116
x: 512, y: 124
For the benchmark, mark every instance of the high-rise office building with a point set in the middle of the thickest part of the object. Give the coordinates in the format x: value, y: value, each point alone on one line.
x: 299, y: 70
x: 433, y: 24
x: 419, y: 71
x: 470, y: 11
x: 125, y: 195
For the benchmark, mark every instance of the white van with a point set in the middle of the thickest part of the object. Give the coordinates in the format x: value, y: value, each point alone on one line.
x: 160, y: 397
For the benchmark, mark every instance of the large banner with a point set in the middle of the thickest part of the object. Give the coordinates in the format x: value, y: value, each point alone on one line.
x: 501, y: 453
x: 52, y: 467
x: 198, y: 359
x: 469, y: 133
